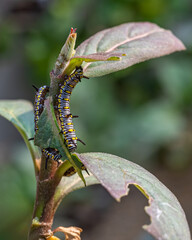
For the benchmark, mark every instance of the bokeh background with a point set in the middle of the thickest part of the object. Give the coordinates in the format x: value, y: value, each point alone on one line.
x: 143, y: 113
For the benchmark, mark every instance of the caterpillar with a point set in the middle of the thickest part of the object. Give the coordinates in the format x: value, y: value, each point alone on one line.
x: 51, y: 153
x: 54, y: 154
x: 71, y: 171
x: 39, y: 103
x: 63, y: 108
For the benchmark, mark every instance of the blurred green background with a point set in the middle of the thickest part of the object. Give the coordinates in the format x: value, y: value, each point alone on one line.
x: 143, y: 113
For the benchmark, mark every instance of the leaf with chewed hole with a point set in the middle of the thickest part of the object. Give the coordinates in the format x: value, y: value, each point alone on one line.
x: 140, y: 41
x: 168, y: 219
x: 20, y: 114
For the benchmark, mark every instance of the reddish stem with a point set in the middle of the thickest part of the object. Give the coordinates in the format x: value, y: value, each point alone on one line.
x: 44, y: 205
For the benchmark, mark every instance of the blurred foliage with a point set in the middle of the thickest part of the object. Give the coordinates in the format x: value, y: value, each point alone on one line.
x: 17, y: 194
x: 143, y: 113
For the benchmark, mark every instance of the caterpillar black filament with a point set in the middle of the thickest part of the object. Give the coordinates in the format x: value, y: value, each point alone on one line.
x: 65, y: 115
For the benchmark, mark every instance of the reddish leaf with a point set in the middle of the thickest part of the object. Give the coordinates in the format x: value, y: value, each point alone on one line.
x: 139, y: 41
x: 168, y: 219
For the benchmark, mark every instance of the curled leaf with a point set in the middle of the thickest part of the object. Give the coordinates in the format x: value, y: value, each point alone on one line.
x: 71, y: 233
x: 66, y: 53
x: 139, y: 41
x: 78, y: 60
x: 107, y: 56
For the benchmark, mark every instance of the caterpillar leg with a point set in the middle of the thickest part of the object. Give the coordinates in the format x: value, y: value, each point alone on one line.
x: 82, y: 77
x: 68, y: 115
x: 30, y: 139
x: 75, y: 116
x: 86, y: 170
x: 81, y: 141
x: 72, y: 116
x: 46, y: 162
x: 85, y: 77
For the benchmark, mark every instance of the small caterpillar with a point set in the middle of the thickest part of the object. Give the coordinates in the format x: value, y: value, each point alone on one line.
x: 51, y: 153
x: 63, y: 107
x: 39, y: 103
x: 71, y: 171
x: 54, y: 154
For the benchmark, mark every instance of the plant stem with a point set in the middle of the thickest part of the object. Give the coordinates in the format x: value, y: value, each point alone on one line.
x: 47, y: 180
x: 44, y: 205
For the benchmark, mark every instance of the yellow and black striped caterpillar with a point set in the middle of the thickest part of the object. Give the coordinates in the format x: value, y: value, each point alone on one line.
x: 39, y: 103
x: 51, y: 153
x: 63, y: 108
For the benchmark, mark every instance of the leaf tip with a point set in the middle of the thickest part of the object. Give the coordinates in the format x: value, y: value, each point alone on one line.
x: 73, y: 30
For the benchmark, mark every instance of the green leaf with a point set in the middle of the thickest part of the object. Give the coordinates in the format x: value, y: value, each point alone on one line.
x: 139, y: 41
x: 168, y: 219
x: 20, y: 114
x: 48, y: 133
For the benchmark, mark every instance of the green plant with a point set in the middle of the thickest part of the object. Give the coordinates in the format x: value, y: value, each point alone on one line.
x: 105, y: 52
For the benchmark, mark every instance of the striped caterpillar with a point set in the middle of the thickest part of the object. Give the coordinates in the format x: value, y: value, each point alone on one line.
x: 39, y: 103
x: 51, y: 153
x: 71, y: 171
x: 63, y: 107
